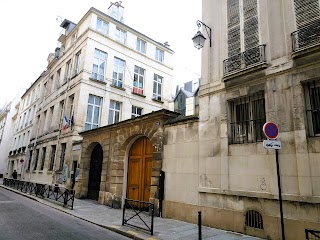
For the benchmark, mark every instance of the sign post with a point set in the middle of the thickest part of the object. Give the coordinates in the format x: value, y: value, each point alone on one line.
x: 271, y: 131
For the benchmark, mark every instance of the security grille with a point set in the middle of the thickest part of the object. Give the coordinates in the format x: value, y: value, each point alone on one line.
x: 306, y: 11
x: 313, y: 107
x: 254, y: 219
x: 247, y: 119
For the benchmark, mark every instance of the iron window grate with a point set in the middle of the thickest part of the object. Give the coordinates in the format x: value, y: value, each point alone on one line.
x: 254, y: 219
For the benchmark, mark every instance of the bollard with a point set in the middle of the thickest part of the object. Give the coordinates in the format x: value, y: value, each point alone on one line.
x: 199, y: 225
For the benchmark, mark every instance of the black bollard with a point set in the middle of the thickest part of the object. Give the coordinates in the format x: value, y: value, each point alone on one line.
x: 199, y: 225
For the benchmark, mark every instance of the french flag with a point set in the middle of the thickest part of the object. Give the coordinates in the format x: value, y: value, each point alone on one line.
x: 65, y: 122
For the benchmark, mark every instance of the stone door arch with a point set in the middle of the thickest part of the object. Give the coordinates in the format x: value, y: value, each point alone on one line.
x: 95, y: 172
x: 140, y: 170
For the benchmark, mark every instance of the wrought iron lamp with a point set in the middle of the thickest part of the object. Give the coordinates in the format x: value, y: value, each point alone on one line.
x: 199, y: 39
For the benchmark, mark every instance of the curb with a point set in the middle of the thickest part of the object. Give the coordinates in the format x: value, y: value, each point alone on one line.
x: 129, y: 233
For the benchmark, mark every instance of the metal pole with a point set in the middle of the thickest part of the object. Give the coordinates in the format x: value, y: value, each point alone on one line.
x: 199, y: 225
x: 280, y: 197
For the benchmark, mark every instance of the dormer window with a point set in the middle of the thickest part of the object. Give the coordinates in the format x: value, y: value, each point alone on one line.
x: 141, y: 46
x: 121, y: 35
x: 102, y: 26
x: 159, y: 55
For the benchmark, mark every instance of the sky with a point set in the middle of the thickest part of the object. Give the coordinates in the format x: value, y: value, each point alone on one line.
x: 30, y: 30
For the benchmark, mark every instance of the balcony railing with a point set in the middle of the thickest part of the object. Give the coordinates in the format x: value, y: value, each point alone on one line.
x: 244, y: 60
x: 306, y: 37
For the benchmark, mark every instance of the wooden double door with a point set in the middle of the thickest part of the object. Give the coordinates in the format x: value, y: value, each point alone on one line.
x: 140, y: 170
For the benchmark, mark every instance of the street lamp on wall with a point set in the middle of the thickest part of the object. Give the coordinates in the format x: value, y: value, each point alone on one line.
x: 199, y: 39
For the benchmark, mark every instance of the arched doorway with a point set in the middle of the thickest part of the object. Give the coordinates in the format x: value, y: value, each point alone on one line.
x: 140, y: 170
x: 95, y: 172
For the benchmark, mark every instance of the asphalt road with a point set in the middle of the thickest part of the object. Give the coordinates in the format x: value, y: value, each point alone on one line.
x: 22, y: 218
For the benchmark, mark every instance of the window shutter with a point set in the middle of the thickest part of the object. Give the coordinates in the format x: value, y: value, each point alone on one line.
x: 234, y: 46
x: 306, y: 11
x: 251, y: 27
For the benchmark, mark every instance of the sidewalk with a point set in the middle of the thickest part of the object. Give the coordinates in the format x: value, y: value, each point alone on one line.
x: 101, y: 215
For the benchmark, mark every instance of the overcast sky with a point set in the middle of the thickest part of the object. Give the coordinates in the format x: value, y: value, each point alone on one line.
x: 29, y: 32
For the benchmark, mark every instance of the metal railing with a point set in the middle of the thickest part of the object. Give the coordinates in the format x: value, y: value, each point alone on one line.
x: 138, y: 214
x: 306, y: 37
x: 53, y: 192
x: 244, y: 60
x: 312, y: 234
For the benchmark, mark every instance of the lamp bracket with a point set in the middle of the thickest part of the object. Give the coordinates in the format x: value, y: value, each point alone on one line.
x: 208, y: 29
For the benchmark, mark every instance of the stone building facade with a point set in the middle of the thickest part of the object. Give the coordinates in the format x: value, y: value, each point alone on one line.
x: 263, y: 66
x: 121, y: 160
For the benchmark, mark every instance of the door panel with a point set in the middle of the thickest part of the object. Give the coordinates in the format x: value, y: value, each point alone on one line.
x: 140, y: 170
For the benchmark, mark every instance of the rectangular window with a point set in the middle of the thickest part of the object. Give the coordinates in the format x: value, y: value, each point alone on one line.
x: 136, y: 112
x: 99, y: 64
x: 61, y: 106
x: 243, y: 27
x: 30, y: 159
x: 118, y: 72
x: 50, y: 117
x: 312, y: 98
x: 159, y: 55
x: 57, y: 83
x: 52, y: 157
x: 157, y: 87
x: 43, y: 157
x: 71, y: 109
x: 62, y: 156
x: 93, y: 112
x: 141, y: 46
x: 247, y: 117
x: 36, y: 160
x: 121, y: 35
x: 114, y: 112
x: 77, y: 63
x: 68, y: 70
x: 138, y: 80
x: 102, y: 26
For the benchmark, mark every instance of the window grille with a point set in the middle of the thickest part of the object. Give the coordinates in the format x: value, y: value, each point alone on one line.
x: 247, y: 119
x: 254, y: 219
x: 313, y: 107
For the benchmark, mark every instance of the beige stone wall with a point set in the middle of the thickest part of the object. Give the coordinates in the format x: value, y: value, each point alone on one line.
x: 180, y: 162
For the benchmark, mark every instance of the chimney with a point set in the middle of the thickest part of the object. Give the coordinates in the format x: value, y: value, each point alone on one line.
x: 116, y: 11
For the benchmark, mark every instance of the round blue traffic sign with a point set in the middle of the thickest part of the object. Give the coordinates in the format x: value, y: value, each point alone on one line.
x: 271, y: 130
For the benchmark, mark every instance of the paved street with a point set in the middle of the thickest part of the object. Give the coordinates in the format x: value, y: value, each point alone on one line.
x: 22, y: 218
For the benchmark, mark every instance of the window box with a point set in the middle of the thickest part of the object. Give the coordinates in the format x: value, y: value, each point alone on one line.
x: 140, y: 95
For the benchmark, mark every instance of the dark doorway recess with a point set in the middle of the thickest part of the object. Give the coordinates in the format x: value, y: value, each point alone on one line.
x: 95, y: 173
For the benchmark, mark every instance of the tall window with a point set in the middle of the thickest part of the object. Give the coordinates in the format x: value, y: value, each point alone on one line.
x: 43, y: 157
x: 138, y: 79
x: 102, y: 26
x: 243, y: 28
x: 159, y: 55
x: 118, y: 72
x: 57, y: 84
x: 114, y: 112
x: 99, y: 64
x: 36, y: 160
x: 71, y: 107
x: 121, y: 35
x: 157, y: 87
x: 61, y: 106
x: 141, y: 46
x: 30, y: 159
x: 93, y: 112
x: 62, y: 156
x: 136, y: 112
x: 68, y: 70
x: 247, y: 119
x: 312, y: 96
x: 50, y: 117
x: 307, y: 11
x: 52, y: 157
x: 77, y: 63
